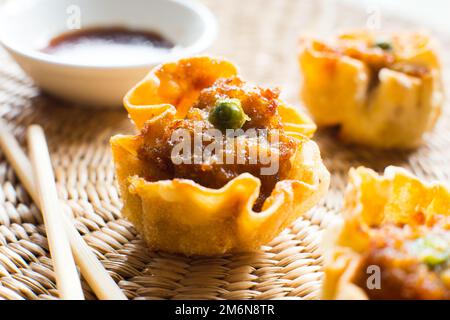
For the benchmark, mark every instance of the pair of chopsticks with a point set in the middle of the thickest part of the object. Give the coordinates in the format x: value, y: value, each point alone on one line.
x: 64, y: 240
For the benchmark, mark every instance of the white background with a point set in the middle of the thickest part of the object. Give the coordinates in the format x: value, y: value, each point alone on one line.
x: 429, y: 13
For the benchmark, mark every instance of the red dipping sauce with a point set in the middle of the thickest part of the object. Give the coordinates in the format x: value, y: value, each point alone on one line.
x: 109, y: 46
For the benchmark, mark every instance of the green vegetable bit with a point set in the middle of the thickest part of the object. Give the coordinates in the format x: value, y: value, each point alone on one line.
x: 433, y: 249
x: 228, y: 114
x: 385, y: 45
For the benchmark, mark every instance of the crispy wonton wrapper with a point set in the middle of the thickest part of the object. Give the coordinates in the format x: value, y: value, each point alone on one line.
x: 385, y: 108
x: 182, y: 216
x: 371, y: 201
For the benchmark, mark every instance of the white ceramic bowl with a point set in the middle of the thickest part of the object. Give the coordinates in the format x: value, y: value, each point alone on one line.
x: 27, y: 25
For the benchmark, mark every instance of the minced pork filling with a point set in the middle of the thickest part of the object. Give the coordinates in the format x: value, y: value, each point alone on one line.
x: 247, y: 120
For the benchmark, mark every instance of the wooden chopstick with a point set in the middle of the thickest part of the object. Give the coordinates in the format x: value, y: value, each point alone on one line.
x: 67, y: 279
x: 92, y: 270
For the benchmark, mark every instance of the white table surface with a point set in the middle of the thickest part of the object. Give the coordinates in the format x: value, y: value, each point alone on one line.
x: 434, y: 14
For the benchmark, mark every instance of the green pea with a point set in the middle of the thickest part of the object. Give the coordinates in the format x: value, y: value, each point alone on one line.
x: 385, y: 45
x: 228, y: 114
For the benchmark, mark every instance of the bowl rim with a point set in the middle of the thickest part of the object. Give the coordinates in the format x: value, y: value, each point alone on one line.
x: 206, y: 38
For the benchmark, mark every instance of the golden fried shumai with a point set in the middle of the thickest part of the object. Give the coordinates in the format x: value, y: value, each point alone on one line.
x: 379, y: 89
x: 208, y: 208
x: 393, y: 241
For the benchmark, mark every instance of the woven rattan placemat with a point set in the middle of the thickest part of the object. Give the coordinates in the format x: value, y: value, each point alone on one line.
x: 261, y: 37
